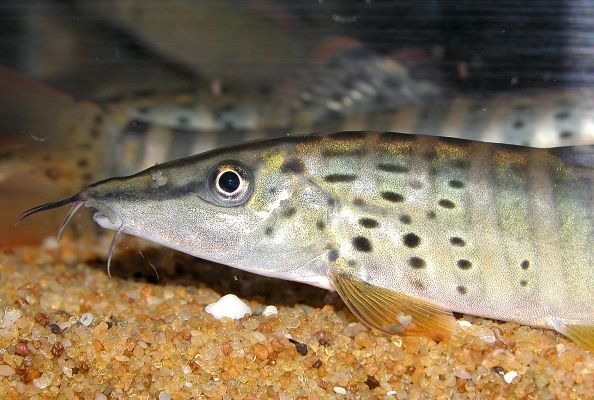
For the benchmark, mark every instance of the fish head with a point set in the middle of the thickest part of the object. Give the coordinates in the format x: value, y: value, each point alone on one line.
x: 250, y: 207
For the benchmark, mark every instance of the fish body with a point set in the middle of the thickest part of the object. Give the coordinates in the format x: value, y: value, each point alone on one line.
x: 542, y: 119
x: 407, y: 228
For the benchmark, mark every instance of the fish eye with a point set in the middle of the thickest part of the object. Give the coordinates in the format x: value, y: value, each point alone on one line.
x: 230, y: 183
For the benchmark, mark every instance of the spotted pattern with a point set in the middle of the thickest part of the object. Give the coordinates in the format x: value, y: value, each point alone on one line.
x: 417, y: 262
x: 392, y: 197
x: 368, y: 223
x: 292, y: 166
x: 445, y: 203
x: 456, y: 184
x: 340, y: 178
x: 362, y: 244
x: 457, y: 241
x: 411, y: 240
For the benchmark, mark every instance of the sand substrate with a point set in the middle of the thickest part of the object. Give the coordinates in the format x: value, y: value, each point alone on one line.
x: 69, y: 331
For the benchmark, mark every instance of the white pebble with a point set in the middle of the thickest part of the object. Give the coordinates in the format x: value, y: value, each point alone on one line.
x: 269, y: 311
x: 464, y: 324
x: 86, y: 319
x: 339, y: 390
x: 42, y: 382
x: 229, y: 306
x: 391, y: 393
x: 510, y: 376
x: 487, y: 335
x: 100, y: 396
x: 186, y: 369
x: 11, y: 315
x: 164, y: 396
x: 462, y: 373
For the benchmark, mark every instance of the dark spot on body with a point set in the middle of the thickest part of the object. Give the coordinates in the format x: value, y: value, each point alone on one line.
x: 464, y: 264
x: 340, y: 178
x: 368, y: 223
x: 392, y: 197
x: 320, y: 225
x: 405, y: 219
x: 268, y: 231
x: 349, y: 135
x: 82, y: 162
x: 525, y: 264
x: 333, y: 255
x: 460, y: 163
x: 416, y: 262
x: 183, y: 120
x: 562, y: 115
x: 519, y: 124
x: 394, y: 168
x: 331, y: 202
x: 457, y: 241
x: 431, y: 215
x: 445, y: 203
x: 352, y: 263
x: 523, y: 283
x: 361, y: 243
x: 300, y: 347
x: 416, y: 184
x: 86, y: 177
x: 456, y: 184
x: 143, y: 110
x: 272, y: 190
x: 395, y: 136
x: 411, y: 240
x: 289, y: 212
x: 292, y: 166
x: 359, y: 202
x: 565, y: 134
x: 371, y: 382
x: 136, y: 127
x: 462, y: 289
x: 329, y: 153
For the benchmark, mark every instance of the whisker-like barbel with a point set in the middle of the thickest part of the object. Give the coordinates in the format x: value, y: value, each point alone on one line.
x: 47, y: 206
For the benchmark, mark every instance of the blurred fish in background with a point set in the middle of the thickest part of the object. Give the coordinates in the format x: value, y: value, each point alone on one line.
x: 142, y: 82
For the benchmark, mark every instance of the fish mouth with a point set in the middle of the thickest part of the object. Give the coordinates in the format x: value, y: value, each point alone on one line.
x: 105, y: 217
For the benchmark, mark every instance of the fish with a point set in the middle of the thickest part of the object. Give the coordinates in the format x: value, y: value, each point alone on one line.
x: 54, y: 143
x: 406, y: 228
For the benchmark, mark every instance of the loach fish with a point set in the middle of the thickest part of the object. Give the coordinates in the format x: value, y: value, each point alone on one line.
x: 406, y: 228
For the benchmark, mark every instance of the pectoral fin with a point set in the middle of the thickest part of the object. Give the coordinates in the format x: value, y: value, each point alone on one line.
x: 393, y: 312
x: 580, y: 333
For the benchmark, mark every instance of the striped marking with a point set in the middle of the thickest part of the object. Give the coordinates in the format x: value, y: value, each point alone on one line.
x: 498, y: 111
x: 551, y: 280
x: 545, y: 133
x: 487, y: 236
x: 156, y: 146
x: 454, y: 122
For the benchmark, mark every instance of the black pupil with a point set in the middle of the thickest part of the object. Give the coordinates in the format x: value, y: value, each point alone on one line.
x: 229, y: 181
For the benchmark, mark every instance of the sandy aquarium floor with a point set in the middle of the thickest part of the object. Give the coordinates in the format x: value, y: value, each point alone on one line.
x: 69, y: 331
